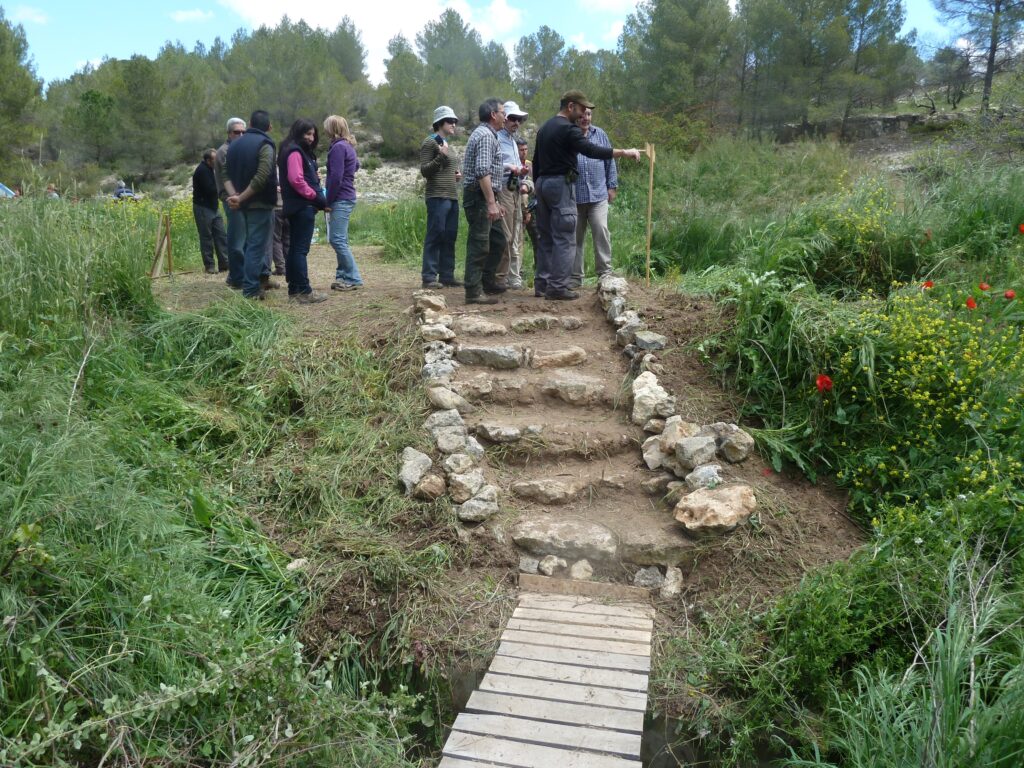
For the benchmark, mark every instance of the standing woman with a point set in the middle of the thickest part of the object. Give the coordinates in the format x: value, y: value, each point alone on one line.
x: 342, y: 165
x: 302, y: 196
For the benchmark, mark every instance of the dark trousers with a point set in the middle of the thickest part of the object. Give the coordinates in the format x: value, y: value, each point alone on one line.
x: 485, y: 242
x: 556, y: 230
x: 279, y: 243
x: 236, y: 246
x: 439, y: 244
x: 212, y: 236
x: 300, y: 228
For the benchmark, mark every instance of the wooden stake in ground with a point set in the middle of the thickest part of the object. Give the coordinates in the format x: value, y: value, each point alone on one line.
x: 163, y: 239
x: 649, y: 151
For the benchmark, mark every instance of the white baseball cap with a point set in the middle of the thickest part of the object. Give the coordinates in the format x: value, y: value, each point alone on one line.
x: 512, y: 110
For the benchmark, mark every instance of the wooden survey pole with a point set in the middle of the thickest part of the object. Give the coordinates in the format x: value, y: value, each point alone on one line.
x: 649, y: 151
x: 163, y: 242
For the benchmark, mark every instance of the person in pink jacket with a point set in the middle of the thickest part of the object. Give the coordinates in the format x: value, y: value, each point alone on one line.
x: 301, y: 196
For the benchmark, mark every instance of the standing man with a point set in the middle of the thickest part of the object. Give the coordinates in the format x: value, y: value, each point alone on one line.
x: 252, y: 168
x: 208, y: 221
x: 236, y: 230
x: 481, y: 173
x: 529, y: 203
x: 554, y: 171
x: 440, y: 168
x: 509, y: 267
x: 596, y: 188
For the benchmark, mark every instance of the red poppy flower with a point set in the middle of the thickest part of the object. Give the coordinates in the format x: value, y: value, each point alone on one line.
x: 1010, y: 295
x: 971, y: 303
x: 823, y: 383
x: 928, y: 284
x: 1020, y: 228
x: 984, y: 286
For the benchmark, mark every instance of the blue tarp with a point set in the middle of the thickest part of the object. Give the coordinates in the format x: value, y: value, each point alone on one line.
x: 6, y: 191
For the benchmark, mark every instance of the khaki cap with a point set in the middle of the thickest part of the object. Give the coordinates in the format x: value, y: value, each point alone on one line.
x: 579, y: 97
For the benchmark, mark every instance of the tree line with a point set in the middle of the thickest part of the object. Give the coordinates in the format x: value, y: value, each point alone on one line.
x: 681, y: 69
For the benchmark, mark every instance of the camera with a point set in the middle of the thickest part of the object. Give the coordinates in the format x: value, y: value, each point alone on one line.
x: 439, y: 139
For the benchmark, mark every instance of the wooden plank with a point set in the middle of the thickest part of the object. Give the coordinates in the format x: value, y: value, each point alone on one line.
x: 581, y: 643
x: 571, y: 692
x: 529, y: 582
x: 569, y: 656
x: 585, y: 605
x: 556, y: 711
x: 514, y: 753
x: 552, y: 734
x: 584, y: 619
x: 580, y: 630
x: 458, y: 762
x: 570, y: 673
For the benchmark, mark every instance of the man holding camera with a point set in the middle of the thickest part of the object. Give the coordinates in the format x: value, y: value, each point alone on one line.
x: 509, y: 267
x: 440, y: 168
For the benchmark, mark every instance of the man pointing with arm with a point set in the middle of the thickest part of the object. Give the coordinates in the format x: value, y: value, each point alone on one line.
x: 554, y: 168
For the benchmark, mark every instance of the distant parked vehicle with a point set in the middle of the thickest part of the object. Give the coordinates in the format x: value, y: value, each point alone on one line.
x: 123, y: 192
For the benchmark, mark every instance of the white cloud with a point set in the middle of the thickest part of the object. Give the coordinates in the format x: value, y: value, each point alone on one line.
x: 379, y: 22
x: 23, y: 13
x: 622, y: 7
x: 189, y: 16
x: 580, y: 43
x: 611, y: 38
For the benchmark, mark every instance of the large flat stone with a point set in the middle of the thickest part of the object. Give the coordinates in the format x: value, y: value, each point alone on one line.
x: 571, y: 538
x: 574, y: 388
x: 503, y: 358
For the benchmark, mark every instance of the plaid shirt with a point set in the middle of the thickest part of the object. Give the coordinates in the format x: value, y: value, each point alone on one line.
x: 482, y: 158
x: 596, y: 177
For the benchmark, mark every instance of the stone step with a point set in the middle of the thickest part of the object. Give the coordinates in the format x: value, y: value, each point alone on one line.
x: 511, y: 356
x: 526, y: 387
x: 528, y: 437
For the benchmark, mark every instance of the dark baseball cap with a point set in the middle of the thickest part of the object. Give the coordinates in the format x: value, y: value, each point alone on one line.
x: 578, y: 97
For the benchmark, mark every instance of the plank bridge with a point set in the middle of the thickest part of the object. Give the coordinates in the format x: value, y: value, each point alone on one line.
x: 566, y: 689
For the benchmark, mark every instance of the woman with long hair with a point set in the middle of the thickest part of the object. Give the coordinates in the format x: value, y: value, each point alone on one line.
x: 342, y: 165
x: 301, y: 196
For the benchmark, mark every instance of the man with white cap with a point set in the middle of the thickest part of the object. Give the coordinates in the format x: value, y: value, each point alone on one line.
x: 509, y: 267
x: 440, y: 168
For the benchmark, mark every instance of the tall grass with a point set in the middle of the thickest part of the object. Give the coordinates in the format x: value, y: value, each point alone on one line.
x: 147, y: 616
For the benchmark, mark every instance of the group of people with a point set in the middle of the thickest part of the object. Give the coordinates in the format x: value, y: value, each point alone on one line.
x: 270, y: 198
x: 572, y: 179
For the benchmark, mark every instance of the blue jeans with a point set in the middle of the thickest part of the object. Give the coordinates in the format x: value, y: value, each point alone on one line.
x: 439, y: 244
x: 347, y: 271
x: 236, y: 245
x: 296, y: 271
x: 258, y: 224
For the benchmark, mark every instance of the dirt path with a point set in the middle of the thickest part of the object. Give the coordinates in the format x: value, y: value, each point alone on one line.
x: 589, y: 445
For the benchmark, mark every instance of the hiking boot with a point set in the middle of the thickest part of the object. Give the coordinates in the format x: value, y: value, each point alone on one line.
x: 482, y: 300
x: 451, y: 284
x: 341, y: 285
x: 313, y: 297
x: 562, y: 296
x: 233, y: 286
x: 494, y: 290
x: 432, y: 285
x: 211, y: 271
x: 259, y: 296
x: 267, y: 284
x: 278, y: 271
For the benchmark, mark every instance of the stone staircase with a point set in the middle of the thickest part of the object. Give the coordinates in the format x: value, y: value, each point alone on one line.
x: 552, y: 430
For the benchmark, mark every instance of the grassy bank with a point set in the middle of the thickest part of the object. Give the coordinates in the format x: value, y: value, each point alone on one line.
x: 142, y: 456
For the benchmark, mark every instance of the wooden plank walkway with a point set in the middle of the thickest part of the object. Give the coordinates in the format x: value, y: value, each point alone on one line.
x: 566, y: 689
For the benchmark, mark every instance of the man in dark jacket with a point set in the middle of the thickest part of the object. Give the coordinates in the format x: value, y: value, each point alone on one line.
x: 208, y: 220
x: 554, y: 171
x: 252, y: 169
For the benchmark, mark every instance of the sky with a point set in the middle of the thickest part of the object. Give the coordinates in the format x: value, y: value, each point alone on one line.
x: 65, y: 35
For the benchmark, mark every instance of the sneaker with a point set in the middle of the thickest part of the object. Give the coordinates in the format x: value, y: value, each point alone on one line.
x: 451, y: 284
x: 313, y: 297
x: 433, y: 284
x: 211, y: 271
x: 515, y: 286
x: 482, y: 300
x: 562, y: 296
x: 341, y: 285
x: 267, y: 284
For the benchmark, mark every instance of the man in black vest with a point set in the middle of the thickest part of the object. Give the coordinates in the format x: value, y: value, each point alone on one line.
x: 252, y: 168
x: 205, y: 211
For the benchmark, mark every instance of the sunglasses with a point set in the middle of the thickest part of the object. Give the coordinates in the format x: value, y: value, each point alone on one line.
x: 237, y: 133
x: 515, y: 119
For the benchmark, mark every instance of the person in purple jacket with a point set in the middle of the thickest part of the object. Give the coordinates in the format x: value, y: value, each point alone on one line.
x: 342, y: 165
x: 301, y: 196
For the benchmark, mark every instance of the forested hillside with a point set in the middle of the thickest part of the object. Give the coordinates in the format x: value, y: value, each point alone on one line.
x: 683, y: 69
